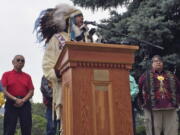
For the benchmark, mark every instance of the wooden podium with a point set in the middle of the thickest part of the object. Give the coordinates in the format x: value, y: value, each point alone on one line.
x: 95, y: 84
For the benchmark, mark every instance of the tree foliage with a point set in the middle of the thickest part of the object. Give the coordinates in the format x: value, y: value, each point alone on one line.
x: 38, y: 119
x: 39, y: 125
x: 38, y: 109
x: 94, y: 4
x: 156, y: 22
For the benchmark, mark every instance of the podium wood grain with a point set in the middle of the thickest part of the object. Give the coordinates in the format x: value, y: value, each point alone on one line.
x: 95, y: 84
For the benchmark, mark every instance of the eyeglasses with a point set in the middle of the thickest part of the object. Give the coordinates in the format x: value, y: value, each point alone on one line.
x: 18, y: 60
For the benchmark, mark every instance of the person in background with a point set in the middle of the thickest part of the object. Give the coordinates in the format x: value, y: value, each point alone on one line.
x: 159, y: 99
x: 54, y: 26
x: 46, y: 89
x: 18, y: 89
x: 2, y: 101
x: 133, y: 91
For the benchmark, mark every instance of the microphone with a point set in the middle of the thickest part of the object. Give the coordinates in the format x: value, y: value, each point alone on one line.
x: 90, y: 22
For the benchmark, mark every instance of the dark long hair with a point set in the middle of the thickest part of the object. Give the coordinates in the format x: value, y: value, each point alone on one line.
x: 44, y: 26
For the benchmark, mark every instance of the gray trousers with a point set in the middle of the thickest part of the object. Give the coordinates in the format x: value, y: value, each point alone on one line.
x: 164, y: 120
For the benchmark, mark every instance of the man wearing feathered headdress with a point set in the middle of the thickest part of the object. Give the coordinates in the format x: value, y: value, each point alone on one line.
x: 55, y: 26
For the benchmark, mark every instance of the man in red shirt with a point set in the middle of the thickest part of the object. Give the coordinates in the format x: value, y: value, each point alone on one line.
x: 18, y: 89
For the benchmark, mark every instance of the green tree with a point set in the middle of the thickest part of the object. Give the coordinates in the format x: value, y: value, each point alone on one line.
x: 155, y: 22
x: 39, y: 125
x: 38, y: 119
x: 38, y: 109
x: 94, y: 4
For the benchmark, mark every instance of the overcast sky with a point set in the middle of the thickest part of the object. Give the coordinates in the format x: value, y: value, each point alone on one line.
x: 16, y: 35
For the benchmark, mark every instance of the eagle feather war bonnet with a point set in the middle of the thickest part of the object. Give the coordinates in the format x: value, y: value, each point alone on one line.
x: 54, y: 20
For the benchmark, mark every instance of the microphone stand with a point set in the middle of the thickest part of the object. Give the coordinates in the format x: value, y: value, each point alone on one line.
x: 146, y: 58
x: 121, y: 34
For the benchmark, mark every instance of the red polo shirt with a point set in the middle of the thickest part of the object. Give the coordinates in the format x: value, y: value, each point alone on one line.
x: 17, y: 83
